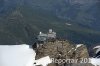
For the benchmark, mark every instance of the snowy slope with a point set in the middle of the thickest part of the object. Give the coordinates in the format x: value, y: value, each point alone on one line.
x: 23, y: 55
x: 43, y: 61
x: 16, y: 55
x: 20, y: 55
x: 96, y: 61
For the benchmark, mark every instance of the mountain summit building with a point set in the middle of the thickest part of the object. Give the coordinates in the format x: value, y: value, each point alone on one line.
x: 48, y: 36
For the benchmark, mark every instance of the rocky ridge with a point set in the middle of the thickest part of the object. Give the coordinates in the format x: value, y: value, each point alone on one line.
x: 64, y: 50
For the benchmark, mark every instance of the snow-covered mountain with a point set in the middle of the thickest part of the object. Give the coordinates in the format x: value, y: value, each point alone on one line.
x: 24, y: 55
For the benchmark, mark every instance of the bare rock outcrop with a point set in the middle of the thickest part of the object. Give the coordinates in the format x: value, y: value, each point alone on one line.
x: 64, y: 50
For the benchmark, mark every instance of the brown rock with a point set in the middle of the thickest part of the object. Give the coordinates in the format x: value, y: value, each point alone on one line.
x: 63, y: 50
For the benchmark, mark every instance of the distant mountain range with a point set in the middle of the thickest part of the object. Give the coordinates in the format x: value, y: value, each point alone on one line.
x: 75, y: 20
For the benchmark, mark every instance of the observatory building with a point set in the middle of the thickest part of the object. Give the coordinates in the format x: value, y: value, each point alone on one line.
x: 47, y: 36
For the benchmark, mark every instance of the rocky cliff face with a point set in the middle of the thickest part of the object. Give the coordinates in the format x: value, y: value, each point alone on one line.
x: 63, y: 50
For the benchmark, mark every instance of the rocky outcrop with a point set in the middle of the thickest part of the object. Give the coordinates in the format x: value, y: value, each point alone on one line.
x: 64, y: 50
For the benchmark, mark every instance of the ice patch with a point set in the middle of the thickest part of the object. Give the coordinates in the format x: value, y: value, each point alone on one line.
x: 79, y: 45
x: 95, y: 61
x: 43, y: 61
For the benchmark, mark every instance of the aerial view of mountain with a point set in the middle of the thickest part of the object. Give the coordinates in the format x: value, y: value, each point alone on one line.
x: 49, y: 32
x: 74, y: 20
